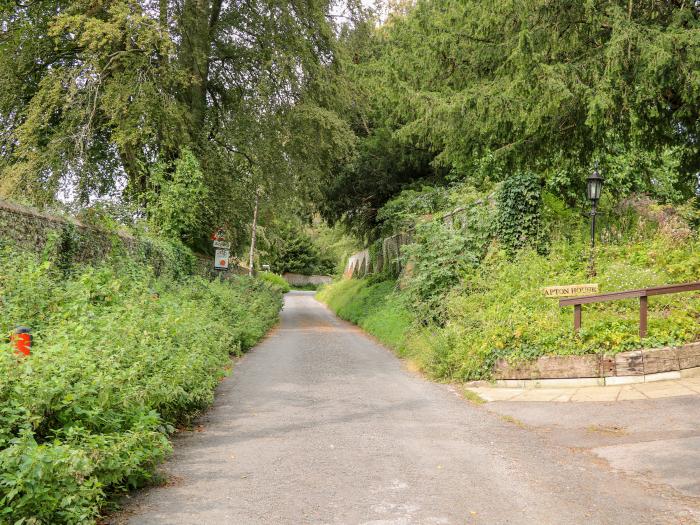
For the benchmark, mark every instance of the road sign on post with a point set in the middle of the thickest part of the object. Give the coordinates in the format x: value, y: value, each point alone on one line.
x: 221, y: 259
x: 218, y: 235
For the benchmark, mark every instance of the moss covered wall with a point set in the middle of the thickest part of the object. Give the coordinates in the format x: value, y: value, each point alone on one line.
x: 73, y: 241
x: 32, y: 230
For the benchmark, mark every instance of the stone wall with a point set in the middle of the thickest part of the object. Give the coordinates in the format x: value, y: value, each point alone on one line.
x: 358, y: 265
x: 32, y: 230
x: 297, y: 279
x: 637, y: 363
x: 35, y: 231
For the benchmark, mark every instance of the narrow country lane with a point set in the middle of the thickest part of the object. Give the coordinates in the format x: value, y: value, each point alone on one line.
x: 320, y: 424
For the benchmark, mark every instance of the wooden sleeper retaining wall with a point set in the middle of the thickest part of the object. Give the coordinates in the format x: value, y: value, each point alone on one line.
x: 625, y: 364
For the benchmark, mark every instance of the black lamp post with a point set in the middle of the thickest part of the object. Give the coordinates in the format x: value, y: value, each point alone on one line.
x: 594, y: 187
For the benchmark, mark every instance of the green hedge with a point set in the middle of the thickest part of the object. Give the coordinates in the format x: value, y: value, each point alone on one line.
x: 274, y: 280
x: 120, y: 358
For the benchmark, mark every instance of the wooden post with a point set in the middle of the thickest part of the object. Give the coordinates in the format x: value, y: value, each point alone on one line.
x: 577, y: 318
x: 643, y: 310
x: 398, y: 251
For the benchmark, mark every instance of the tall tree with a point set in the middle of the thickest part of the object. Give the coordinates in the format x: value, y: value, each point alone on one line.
x: 116, y: 90
x: 473, y: 91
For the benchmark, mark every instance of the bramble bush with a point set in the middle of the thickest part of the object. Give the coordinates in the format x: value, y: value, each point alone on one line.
x: 120, y: 359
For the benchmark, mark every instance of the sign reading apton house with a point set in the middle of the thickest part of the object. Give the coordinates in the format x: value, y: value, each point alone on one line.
x: 572, y: 290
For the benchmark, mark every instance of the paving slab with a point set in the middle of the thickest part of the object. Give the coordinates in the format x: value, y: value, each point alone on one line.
x: 609, y: 393
x: 665, y: 389
x: 628, y: 393
x: 622, y: 392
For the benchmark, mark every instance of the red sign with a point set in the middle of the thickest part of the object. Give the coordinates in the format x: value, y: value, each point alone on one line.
x: 218, y: 235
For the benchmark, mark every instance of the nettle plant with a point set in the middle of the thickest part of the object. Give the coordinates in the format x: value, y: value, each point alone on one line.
x: 122, y: 356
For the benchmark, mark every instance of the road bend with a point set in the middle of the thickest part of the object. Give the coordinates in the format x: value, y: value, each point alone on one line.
x: 320, y: 424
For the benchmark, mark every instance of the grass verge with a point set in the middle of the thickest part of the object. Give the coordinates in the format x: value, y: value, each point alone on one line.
x: 371, y: 305
x: 498, y: 310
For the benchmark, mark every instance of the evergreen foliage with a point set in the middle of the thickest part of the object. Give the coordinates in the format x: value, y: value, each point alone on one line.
x: 449, y: 90
x: 292, y: 250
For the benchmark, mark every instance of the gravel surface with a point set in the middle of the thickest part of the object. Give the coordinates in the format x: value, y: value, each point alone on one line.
x: 319, y: 424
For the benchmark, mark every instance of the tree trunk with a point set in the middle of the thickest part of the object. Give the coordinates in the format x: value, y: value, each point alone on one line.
x: 195, y: 51
x: 163, y: 14
x: 253, y: 236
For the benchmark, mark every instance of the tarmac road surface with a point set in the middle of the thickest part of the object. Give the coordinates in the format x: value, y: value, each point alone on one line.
x: 319, y: 424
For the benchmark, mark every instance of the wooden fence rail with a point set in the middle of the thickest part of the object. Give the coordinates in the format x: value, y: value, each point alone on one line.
x: 643, y: 294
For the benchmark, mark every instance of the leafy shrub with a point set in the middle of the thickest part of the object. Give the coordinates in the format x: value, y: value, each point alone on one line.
x: 497, y: 309
x: 121, y: 357
x: 440, y: 257
x: 276, y: 281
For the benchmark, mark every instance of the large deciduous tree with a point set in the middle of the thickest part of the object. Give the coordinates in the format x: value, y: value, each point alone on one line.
x: 104, y: 97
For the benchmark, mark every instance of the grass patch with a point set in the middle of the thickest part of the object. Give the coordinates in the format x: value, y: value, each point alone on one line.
x: 305, y: 287
x: 514, y: 421
x: 473, y: 397
x: 609, y: 430
x: 374, y: 306
x: 497, y: 310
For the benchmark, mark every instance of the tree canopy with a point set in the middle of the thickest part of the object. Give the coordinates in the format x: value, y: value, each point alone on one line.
x: 461, y: 90
x: 186, y: 109
x: 112, y: 98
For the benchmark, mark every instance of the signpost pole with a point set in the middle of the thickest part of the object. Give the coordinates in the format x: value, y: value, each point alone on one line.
x: 251, y: 258
x: 643, y: 309
x: 577, y: 318
x: 591, y: 262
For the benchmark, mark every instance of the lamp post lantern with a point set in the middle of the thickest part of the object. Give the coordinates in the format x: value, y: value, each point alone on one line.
x: 593, y: 190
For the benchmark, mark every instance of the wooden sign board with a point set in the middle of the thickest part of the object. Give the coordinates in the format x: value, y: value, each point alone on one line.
x: 573, y: 290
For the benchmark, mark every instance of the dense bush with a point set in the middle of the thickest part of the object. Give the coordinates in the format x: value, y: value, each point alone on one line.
x: 276, y: 281
x: 497, y: 309
x: 120, y: 359
x: 440, y: 256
